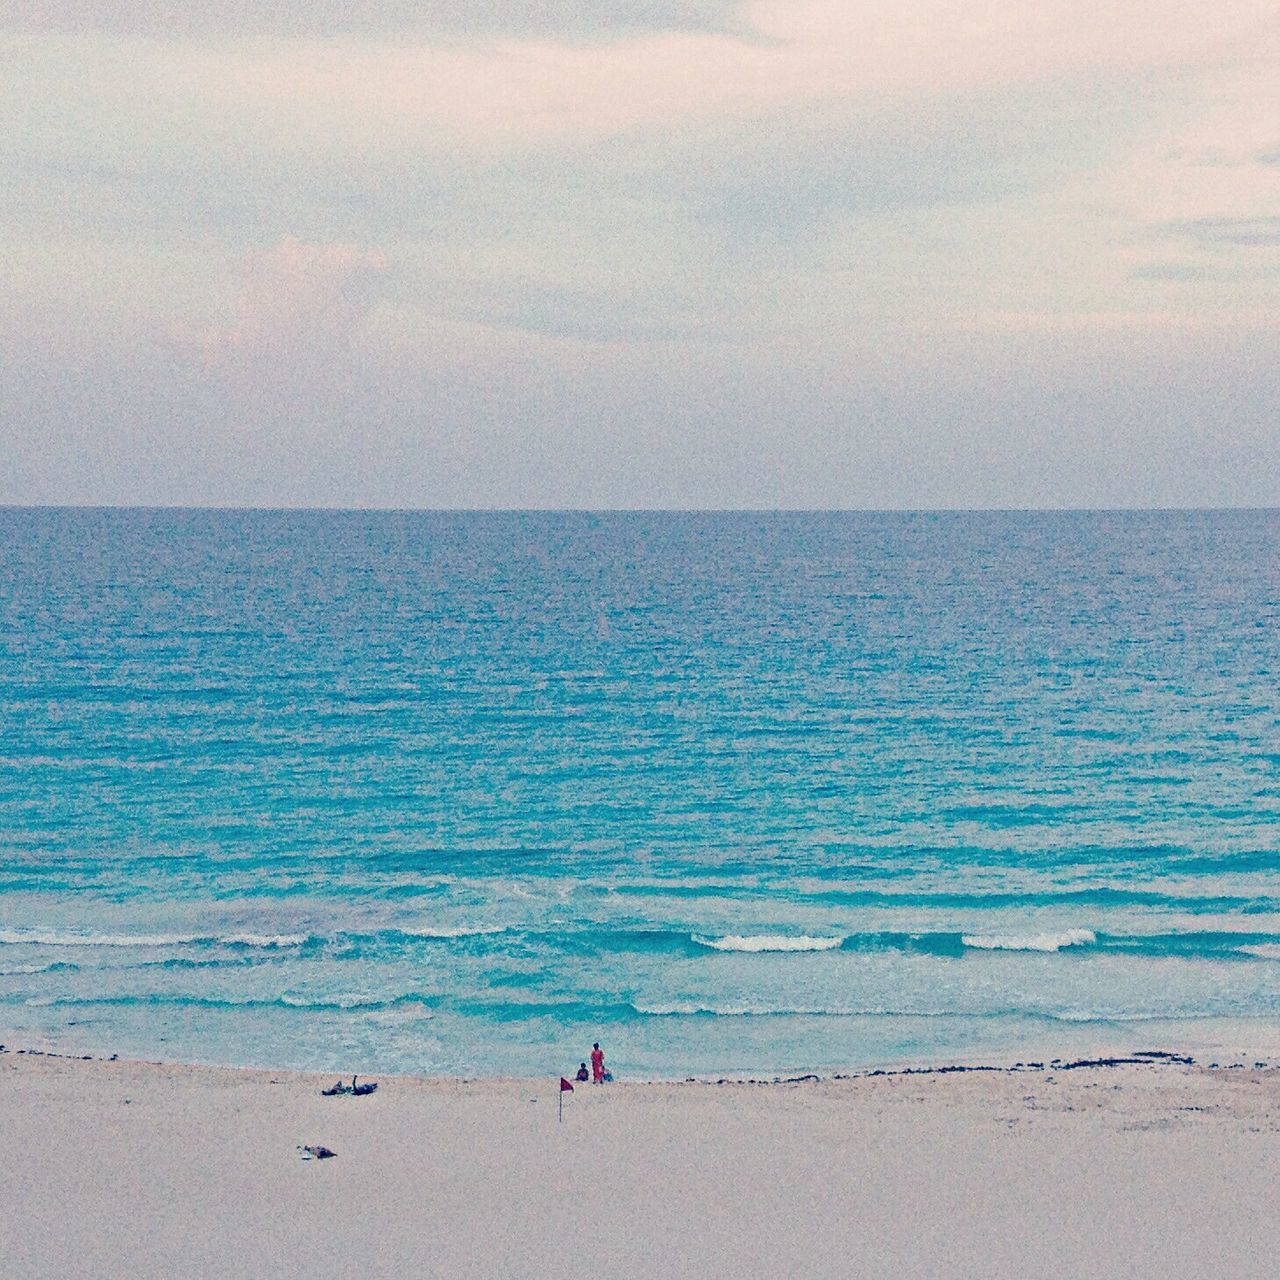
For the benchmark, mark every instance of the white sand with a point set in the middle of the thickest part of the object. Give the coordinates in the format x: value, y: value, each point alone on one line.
x: 119, y: 1169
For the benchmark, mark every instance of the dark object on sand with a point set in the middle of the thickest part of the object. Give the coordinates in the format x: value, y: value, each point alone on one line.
x: 318, y: 1152
x: 355, y: 1090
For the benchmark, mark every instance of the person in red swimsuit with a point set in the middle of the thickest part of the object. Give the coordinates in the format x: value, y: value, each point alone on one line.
x: 597, y: 1064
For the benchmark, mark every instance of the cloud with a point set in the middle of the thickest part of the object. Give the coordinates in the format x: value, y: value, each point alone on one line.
x: 1134, y: 416
x: 579, y: 20
x: 297, y: 312
x: 628, y: 254
x: 367, y: 92
x: 1228, y: 232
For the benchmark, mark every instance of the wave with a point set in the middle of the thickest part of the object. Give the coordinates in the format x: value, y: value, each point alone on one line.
x: 940, y: 943
x: 417, y: 1005
x: 568, y: 1011
x: 583, y: 938
x: 345, y: 1003
x: 55, y: 938
x: 58, y: 966
x: 339, y: 1004
x: 680, y: 1009
x: 58, y: 938
x: 768, y: 942
x: 1261, y: 950
x: 455, y: 931
x: 683, y: 1009
x: 1108, y: 896
x: 266, y: 939
x: 1221, y: 945
x: 1030, y: 941
x: 1120, y: 1017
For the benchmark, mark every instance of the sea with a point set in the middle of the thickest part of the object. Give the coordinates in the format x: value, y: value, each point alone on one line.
x: 734, y: 794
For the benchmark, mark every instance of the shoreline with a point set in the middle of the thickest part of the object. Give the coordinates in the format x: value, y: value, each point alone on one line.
x: 1238, y: 1043
x: 1137, y: 1058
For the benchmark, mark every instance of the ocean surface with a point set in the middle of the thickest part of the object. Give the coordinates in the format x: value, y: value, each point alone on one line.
x: 730, y: 793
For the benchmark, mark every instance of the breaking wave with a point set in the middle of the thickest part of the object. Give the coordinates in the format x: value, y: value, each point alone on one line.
x: 768, y: 942
x: 454, y: 931
x: 266, y: 939
x: 1262, y: 950
x: 58, y: 938
x: 1030, y: 941
x: 55, y: 938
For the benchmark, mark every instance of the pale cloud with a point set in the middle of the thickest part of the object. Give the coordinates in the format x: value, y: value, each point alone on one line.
x: 671, y: 253
x: 814, y: 52
x: 1206, y: 160
x: 295, y: 317
x: 1113, y: 416
x: 1228, y: 233
x: 1196, y: 185
x: 455, y: 19
x: 363, y: 94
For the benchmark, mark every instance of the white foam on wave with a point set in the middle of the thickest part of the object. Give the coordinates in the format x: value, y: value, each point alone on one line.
x: 690, y: 1009
x: 1262, y: 950
x: 1099, y: 1015
x: 454, y: 931
x: 403, y: 1011
x: 265, y: 939
x: 1030, y: 941
x: 54, y: 938
x: 767, y: 942
x: 294, y: 1001
x: 58, y: 938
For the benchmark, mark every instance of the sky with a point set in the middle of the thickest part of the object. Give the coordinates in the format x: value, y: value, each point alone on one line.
x: 640, y: 253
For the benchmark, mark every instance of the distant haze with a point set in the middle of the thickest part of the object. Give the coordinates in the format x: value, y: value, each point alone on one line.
x: 665, y: 253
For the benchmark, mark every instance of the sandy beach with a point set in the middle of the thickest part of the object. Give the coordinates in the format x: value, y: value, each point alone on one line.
x: 115, y: 1168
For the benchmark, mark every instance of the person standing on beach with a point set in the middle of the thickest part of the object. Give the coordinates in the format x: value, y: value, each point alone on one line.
x: 597, y: 1064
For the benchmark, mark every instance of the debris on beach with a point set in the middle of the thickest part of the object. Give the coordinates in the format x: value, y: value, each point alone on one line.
x: 355, y: 1090
x: 317, y: 1152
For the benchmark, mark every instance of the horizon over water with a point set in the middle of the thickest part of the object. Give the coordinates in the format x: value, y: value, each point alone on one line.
x: 730, y: 792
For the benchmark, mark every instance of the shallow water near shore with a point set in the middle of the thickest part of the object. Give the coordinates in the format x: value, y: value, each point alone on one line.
x: 464, y: 792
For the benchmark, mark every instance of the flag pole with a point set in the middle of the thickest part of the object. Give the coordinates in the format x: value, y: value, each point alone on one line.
x: 562, y: 1106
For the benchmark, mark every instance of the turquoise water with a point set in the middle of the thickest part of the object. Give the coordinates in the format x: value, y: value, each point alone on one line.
x: 729, y: 793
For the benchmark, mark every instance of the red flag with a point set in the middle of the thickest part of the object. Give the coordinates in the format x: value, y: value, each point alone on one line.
x: 565, y: 1086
